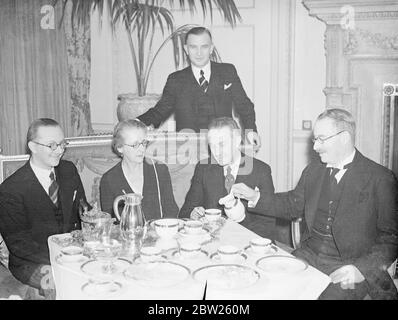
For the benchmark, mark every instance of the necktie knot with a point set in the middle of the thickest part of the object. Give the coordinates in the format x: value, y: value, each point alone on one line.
x: 334, y: 171
x: 52, y: 176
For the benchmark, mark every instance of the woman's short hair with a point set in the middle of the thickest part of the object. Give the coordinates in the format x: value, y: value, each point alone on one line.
x: 117, y: 139
x: 342, y: 119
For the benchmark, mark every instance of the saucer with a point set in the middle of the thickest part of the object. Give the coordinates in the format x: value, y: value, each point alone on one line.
x: 94, y: 267
x: 202, y: 237
x: 272, y: 250
x: 201, y: 233
x: 140, y: 260
x: 101, y: 290
x: 202, y: 254
x: 239, y: 259
x: 60, y: 259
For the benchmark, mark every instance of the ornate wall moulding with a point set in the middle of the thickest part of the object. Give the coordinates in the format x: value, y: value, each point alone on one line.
x: 360, y: 40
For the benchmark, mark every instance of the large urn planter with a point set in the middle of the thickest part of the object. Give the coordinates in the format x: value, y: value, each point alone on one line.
x: 132, y: 105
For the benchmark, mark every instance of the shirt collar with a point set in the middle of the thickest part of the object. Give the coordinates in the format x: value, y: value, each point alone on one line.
x: 346, y: 161
x: 41, y: 171
x: 206, y: 69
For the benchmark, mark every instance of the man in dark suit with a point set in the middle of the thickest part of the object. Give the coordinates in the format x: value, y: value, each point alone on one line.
x: 349, y: 205
x: 214, y: 177
x: 203, y: 91
x: 39, y: 200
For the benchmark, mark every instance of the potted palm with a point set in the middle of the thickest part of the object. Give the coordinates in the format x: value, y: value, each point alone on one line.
x: 142, y: 20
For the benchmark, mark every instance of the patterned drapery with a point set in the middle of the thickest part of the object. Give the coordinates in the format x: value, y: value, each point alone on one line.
x: 44, y: 71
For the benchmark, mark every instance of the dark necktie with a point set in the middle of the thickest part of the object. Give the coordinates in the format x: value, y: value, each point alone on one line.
x: 332, y: 178
x: 203, y: 82
x: 53, y: 189
x: 229, y: 179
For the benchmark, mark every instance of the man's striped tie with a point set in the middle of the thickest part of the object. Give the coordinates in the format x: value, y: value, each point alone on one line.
x: 204, y: 84
x: 53, y: 189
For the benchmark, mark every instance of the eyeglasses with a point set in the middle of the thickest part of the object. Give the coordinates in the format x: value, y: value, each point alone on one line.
x: 136, y: 145
x: 322, y: 140
x: 53, y: 145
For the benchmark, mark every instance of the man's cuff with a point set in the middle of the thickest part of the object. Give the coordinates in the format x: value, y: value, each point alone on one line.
x: 253, y: 203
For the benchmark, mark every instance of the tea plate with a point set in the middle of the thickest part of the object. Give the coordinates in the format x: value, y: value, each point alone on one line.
x: 281, y: 264
x: 101, y: 290
x: 157, y: 274
x: 94, y: 267
x: 227, y: 276
x: 60, y: 259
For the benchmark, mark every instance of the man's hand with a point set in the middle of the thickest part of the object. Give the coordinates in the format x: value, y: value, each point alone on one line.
x: 347, y: 276
x: 197, y: 213
x: 240, y: 190
x: 254, y: 139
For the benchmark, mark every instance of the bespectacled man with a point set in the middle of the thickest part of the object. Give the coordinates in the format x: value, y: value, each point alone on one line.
x: 40, y: 199
x: 349, y: 205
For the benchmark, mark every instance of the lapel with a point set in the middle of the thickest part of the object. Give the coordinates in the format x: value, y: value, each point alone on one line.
x: 149, y: 173
x: 37, y: 191
x: 314, y: 192
x: 215, y: 179
x: 215, y: 81
x: 355, y: 180
x: 65, y: 194
x: 122, y: 181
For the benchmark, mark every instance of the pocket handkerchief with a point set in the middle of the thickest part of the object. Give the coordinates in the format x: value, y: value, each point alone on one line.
x: 227, y: 85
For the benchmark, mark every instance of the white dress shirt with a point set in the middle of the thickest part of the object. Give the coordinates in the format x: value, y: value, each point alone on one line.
x: 206, y: 72
x: 43, y: 175
x: 341, y: 165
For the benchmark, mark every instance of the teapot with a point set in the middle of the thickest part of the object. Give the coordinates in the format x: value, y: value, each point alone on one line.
x: 132, y: 219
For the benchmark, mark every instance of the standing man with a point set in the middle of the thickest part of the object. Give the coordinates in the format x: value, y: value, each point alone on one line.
x: 228, y: 167
x: 203, y: 91
x: 349, y: 204
x: 39, y: 200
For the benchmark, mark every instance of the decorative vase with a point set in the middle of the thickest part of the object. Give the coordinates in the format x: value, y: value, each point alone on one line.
x: 132, y: 105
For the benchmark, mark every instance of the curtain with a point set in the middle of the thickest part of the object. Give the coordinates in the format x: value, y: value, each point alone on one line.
x: 38, y: 75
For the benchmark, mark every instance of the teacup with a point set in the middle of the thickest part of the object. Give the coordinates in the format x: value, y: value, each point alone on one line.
x: 189, y: 249
x: 72, y: 253
x: 193, y: 226
x: 228, y: 253
x: 260, y: 245
x: 166, y: 228
x: 212, y: 214
x: 150, y: 253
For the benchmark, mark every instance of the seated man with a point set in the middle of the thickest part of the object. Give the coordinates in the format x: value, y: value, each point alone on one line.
x: 349, y: 204
x: 227, y: 166
x: 40, y: 199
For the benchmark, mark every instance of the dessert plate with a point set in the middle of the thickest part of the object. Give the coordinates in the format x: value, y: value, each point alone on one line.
x: 95, y: 267
x: 157, y: 274
x: 60, y: 259
x: 202, y: 254
x: 227, y: 276
x: 281, y: 264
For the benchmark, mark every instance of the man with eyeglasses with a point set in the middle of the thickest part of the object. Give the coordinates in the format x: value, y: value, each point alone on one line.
x: 349, y: 206
x: 40, y: 199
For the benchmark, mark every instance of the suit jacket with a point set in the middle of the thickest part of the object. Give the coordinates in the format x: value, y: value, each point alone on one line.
x: 113, y: 182
x: 182, y: 91
x: 207, y: 187
x: 365, y: 227
x: 27, y: 215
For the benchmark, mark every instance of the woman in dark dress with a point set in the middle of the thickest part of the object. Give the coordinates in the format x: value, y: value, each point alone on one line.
x: 136, y: 173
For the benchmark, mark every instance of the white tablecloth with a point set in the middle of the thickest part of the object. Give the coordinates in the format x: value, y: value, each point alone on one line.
x: 307, y: 284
